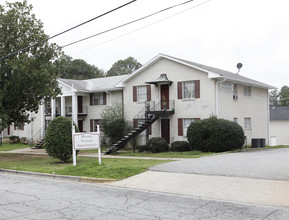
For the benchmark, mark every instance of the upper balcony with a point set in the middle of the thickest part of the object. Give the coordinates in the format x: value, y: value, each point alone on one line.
x: 82, y: 111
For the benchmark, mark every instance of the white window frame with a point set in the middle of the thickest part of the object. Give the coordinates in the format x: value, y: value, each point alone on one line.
x: 142, y: 93
x: 97, y: 98
x: 189, y: 89
x: 247, y: 90
x: 186, y: 123
x: 247, y: 124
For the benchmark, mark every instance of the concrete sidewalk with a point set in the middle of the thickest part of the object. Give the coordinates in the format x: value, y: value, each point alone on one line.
x: 233, y: 189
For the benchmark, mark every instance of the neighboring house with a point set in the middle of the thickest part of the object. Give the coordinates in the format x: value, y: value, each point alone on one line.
x: 279, y: 124
x: 176, y: 92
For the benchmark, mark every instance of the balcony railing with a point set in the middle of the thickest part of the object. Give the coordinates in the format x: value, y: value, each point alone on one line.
x: 81, y: 111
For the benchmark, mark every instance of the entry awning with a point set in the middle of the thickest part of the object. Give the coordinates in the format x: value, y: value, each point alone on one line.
x: 163, y: 79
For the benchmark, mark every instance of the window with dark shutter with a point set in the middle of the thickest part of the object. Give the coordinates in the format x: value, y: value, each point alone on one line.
x: 134, y: 91
x: 180, y: 126
x: 104, y: 98
x: 180, y: 90
x: 197, y: 89
x: 149, y: 93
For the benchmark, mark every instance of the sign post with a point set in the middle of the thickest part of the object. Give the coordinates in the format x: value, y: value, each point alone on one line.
x: 86, y: 141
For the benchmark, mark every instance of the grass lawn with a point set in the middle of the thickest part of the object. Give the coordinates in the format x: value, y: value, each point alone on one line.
x: 88, y: 167
x: 8, y: 147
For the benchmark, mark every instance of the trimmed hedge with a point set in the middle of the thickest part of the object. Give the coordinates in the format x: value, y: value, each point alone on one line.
x: 180, y: 146
x: 215, y: 135
x: 58, y: 139
x: 155, y: 145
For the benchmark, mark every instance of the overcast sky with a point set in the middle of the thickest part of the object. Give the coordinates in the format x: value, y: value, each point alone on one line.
x: 218, y: 33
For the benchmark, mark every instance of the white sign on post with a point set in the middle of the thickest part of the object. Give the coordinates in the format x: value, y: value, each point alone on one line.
x: 85, y: 141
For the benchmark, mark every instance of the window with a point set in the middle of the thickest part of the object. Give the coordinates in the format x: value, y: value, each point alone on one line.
x: 247, y: 123
x: 183, y: 124
x: 235, y: 120
x: 247, y: 90
x: 94, y: 123
x: 189, y: 90
x: 19, y: 127
x: 141, y: 93
x: 98, y: 98
x: 186, y: 124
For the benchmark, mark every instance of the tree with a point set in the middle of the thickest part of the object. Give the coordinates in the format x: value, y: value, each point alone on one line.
x: 123, y: 67
x: 30, y: 75
x: 274, y: 96
x: 113, y: 122
x: 58, y: 139
x: 78, y: 69
x: 284, y: 96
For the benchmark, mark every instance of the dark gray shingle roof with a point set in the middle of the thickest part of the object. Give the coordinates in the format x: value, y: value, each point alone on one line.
x: 279, y: 113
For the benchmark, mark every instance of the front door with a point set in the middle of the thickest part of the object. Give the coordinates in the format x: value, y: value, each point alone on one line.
x: 80, y: 125
x: 79, y: 103
x: 165, y: 129
x: 165, y: 96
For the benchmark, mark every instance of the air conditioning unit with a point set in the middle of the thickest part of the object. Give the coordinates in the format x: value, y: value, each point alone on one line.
x: 235, y: 97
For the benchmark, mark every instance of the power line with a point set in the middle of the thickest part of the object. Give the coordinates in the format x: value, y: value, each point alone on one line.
x: 117, y: 27
x: 143, y: 27
x: 56, y: 35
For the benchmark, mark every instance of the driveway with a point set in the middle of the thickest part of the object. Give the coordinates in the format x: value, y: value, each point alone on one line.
x: 255, y: 177
x: 270, y: 164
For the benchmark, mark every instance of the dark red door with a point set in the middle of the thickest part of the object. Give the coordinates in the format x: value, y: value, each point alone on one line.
x: 80, y: 125
x: 165, y: 96
x: 165, y: 129
x: 79, y: 103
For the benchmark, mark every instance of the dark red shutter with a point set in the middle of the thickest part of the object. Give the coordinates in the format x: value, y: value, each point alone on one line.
x: 134, y: 91
x: 197, y: 88
x: 22, y: 126
x: 150, y: 130
x: 104, y: 98
x: 180, y: 90
x: 149, y: 93
x: 135, y: 123
x: 8, y: 131
x: 197, y: 119
x: 91, y: 125
x: 90, y: 98
x: 14, y: 127
x: 180, y: 127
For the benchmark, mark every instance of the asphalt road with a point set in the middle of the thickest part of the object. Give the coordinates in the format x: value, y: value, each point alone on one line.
x: 23, y: 197
x: 261, y: 164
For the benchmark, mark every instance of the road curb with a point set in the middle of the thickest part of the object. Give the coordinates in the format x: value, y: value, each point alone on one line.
x: 63, y: 177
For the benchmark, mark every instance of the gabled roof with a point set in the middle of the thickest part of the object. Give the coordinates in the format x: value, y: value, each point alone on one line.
x: 279, y: 113
x: 94, y: 85
x: 213, y: 73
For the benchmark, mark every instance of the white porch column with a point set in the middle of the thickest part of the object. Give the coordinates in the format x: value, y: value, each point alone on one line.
x: 62, y: 101
x: 31, y: 127
x: 53, y: 108
x: 74, y: 108
x: 42, y: 121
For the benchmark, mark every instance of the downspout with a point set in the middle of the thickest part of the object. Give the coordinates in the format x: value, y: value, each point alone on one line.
x: 268, y: 118
x: 109, y: 97
x: 217, y: 96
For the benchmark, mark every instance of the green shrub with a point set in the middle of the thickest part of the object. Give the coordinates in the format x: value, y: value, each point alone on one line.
x: 23, y: 140
x: 14, y: 139
x: 157, y: 145
x: 180, y: 146
x: 58, y: 139
x: 143, y: 148
x: 215, y: 135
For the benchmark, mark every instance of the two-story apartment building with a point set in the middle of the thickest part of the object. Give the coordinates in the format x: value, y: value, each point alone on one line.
x: 177, y: 91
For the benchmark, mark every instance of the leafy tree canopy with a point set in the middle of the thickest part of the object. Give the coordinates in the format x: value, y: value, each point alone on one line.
x: 78, y: 69
x: 30, y: 75
x: 281, y: 97
x: 123, y: 67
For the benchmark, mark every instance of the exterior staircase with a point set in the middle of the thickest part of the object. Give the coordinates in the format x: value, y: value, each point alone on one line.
x: 39, y: 145
x: 146, y: 117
